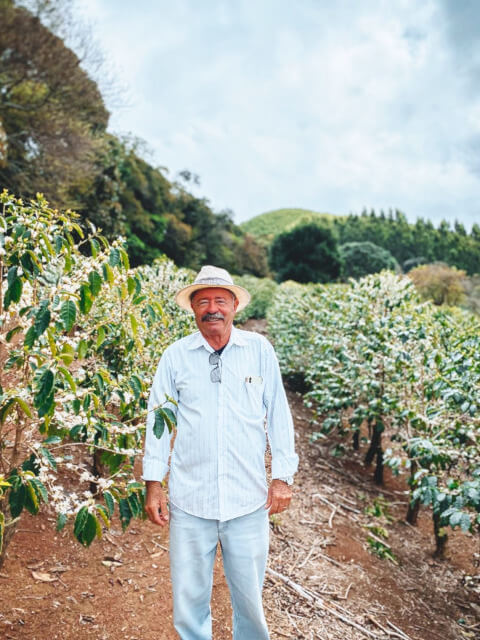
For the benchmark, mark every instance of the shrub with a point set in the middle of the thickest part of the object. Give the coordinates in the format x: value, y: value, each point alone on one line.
x: 262, y: 291
x: 363, y: 258
x: 440, y: 283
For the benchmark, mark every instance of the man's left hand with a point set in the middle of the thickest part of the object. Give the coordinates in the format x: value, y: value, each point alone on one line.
x: 279, y: 496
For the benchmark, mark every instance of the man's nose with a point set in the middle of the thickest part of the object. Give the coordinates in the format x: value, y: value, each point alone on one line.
x: 212, y: 306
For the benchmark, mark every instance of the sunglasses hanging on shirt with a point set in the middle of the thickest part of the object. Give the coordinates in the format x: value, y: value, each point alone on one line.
x: 216, y: 372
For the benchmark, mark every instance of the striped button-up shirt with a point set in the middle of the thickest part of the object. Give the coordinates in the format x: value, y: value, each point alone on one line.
x: 217, y: 467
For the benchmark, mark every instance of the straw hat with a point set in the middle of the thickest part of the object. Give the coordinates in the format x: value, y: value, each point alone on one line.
x: 209, y: 277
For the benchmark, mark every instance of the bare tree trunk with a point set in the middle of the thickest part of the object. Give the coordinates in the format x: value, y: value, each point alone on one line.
x: 412, y: 511
x: 441, y: 537
x: 375, y: 442
x: 378, y: 475
x: 413, y: 505
x: 356, y: 440
x: 9, y: 531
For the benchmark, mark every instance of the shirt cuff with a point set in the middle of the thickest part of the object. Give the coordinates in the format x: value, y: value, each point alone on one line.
x: 284, y: 466
x: 154, y: 470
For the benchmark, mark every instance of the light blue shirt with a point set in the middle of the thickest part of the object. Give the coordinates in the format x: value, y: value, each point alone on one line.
x: 217, y: 467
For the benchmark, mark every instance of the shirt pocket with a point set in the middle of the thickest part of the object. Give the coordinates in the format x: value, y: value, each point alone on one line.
x: 254, y: 387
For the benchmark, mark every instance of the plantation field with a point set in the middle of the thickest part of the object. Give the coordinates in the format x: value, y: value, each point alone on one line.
x: 382, y: 538
x: 119, y: 587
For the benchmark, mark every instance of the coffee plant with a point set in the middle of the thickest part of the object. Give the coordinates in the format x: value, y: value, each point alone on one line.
x: 401, y: 374
x: 80, y: 338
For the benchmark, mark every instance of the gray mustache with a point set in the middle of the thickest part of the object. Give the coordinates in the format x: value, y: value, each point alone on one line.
x: 212, y: 316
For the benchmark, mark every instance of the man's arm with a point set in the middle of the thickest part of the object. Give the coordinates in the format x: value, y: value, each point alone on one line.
x: 157, y: 450
x: 280, y: 435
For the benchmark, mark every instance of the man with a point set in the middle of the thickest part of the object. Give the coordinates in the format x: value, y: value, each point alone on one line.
x: 223, y: 382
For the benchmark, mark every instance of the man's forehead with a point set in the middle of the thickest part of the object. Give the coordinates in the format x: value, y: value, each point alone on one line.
x: 212, y: 292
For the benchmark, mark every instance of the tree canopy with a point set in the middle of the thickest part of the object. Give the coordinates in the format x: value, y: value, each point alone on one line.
x: 305, y: 254
x: 414, y: 244
x: 53, y: 140
x: 362, y: 258
x: 51, y: 112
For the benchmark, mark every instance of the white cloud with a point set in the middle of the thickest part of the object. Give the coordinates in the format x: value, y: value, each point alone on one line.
x: 330, y: 106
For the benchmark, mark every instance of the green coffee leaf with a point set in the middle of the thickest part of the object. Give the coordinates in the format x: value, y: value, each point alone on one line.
x: 48, y: 455
x: 80, y: 521
x: 125, y: 512
x: 86, y: 299
x: 109, y: 501
x: 68, y: 314
x: 114, y: 258
x: 169, y: 418
x: 42, y: 318
x: 95, y: 281
x: 16, y: 500
x: 159, y: 424
x: 62, y: 520
x: 44, y: 386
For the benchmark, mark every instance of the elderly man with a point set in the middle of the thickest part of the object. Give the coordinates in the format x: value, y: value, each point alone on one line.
x: 225, y: 383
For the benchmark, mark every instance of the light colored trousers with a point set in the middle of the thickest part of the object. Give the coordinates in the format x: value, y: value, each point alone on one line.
x: 193, y: 545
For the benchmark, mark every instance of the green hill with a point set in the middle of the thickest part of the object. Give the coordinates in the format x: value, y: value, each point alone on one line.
x: 266, y: 226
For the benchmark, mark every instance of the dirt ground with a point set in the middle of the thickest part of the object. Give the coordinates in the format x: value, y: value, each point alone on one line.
x: 323, y: 582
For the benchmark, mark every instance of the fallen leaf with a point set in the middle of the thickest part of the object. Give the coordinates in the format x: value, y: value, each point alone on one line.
x: 111, y: 563
x: 43, y: 577
x: 59, y: 568
x: 116, y: 558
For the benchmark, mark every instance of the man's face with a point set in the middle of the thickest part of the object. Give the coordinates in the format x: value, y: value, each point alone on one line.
x: 214, y: 310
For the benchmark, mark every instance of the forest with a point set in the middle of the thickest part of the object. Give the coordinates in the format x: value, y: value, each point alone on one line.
x: 54, y: 139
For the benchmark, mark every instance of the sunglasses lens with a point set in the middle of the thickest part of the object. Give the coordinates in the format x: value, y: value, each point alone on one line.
x: 216, y: 372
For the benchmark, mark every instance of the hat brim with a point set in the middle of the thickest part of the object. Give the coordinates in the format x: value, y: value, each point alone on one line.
x: 182, y: 298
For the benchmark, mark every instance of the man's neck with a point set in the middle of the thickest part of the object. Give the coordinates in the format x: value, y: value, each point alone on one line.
x: 217, y: 341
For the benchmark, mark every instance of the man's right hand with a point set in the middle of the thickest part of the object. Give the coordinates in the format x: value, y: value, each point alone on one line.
x: 156, y: 503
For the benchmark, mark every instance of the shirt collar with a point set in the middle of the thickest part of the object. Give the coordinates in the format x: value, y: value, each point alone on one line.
x: 197, y: 340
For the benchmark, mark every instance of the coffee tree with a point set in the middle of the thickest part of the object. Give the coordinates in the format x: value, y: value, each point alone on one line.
x: 398, y: 373
x: 81, y: 334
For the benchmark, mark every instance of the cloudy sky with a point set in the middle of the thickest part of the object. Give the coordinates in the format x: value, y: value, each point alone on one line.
x: 331, y: 105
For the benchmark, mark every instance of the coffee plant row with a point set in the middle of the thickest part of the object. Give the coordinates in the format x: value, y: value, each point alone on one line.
x: 80, y: 337
x: 400, y: 374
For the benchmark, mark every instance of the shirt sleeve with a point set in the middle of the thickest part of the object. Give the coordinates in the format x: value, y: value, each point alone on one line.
x: 157, y: 450
x: 279, y: 419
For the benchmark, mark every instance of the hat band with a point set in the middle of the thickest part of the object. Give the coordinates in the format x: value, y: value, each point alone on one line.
x: 218, y: 281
